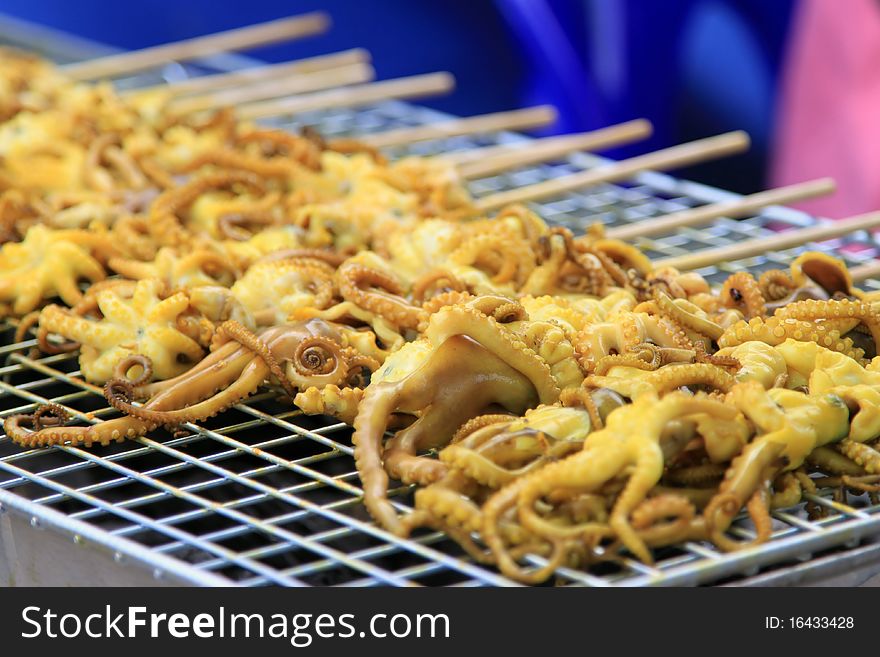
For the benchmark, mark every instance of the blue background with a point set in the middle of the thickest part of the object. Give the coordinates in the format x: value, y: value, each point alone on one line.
x: 693, y: 67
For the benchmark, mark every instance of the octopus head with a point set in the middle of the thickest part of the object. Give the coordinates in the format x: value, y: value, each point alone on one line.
x: 466, y: 363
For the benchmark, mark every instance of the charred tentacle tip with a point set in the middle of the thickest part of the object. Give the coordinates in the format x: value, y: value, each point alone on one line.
x: 49, y: 415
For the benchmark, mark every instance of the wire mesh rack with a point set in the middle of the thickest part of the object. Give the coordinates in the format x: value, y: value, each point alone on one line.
x: 263, y: 495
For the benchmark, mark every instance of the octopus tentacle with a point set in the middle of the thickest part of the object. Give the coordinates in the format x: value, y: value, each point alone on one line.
x: 501, y: 309
x: 444, y: 299
x: 327, y: 256
x: 488, y: 464
x: 360, y: 367
x: 318, y: 361
x: 449, y: 500
x: 134, y: 237
x: 865, y: 455
x: 509, y: 312
x: 155, y: 173
x: 628, y: 443
x: 352, y: 279
x: 231, y: 226
x: 493, y: 536
x: 514, y: 258
x: 670, y: 355
x: 300, y: 149
x: 341, y: 403
x: 615, y: 272
x: 675, y: 332
x: 369, y: 427
x: 94, y: 174
x: 787, y: 491
x: 775, y: 284
x: 165, y: 226
x: 831, y: 460
x: 438, y: 281
x: 433, y: 516
x: 811, y: 309
x: 748, y: 472
x: 758, y: 508
x: 48, y: 347
x: 696, y: 475
x: 584, y: 399
x: 404, y: 464
x: 667, y: 379
x: 118, y: 394
x: 689, y: 320
x: 591, y: 267
x: 742, y: 291
x: 866, y: 484
x: 49, y: 415
x: 643, y: 356
x: 246, y: 338
x: 134, y: 360
x: 808, y: 487
x: 231, y: 160
x: 776, y: 330
x: 663, y: 519
x: 623, y: 360
x: 477, y: 423
x: 701, y: 356
x: 25, y: 324
x: 43, y: 436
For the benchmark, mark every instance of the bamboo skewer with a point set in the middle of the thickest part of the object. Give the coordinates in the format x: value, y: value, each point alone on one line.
x: 408, y: 87
x: 740, y: 207
x: 775, y: 242
x: 667, y: 158
x: 298, y: 84
x: 866, y: 271
x: 231, y: 40
x: 217, y: 81
x: 521, y: 119
x: 499, y: 158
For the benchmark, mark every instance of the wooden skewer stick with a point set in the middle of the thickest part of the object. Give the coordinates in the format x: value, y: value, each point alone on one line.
x: 784, y: 240
x: 735, y: 208
x: 409, y: 87
x: 241, y: 38
x: 206, y: 83
x: 521, y: 119
x: 667, y: 158
x: 866, y: 271
x: 501, y: 158
x: 297, y: 84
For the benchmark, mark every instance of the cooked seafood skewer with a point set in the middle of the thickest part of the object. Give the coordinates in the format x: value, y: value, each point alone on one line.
x: 501, y: 158
x: 217, y: 81
x: 766, y: 244
x: 733, y: 209
x: 415, y: 86
x: 866, y: 271
x: 281, y: 87
x: 667, y: 158
x: 520, y: 119
x: 284, y: 29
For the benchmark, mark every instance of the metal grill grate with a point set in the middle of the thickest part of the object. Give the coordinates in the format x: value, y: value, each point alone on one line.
x: 262, y: 495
